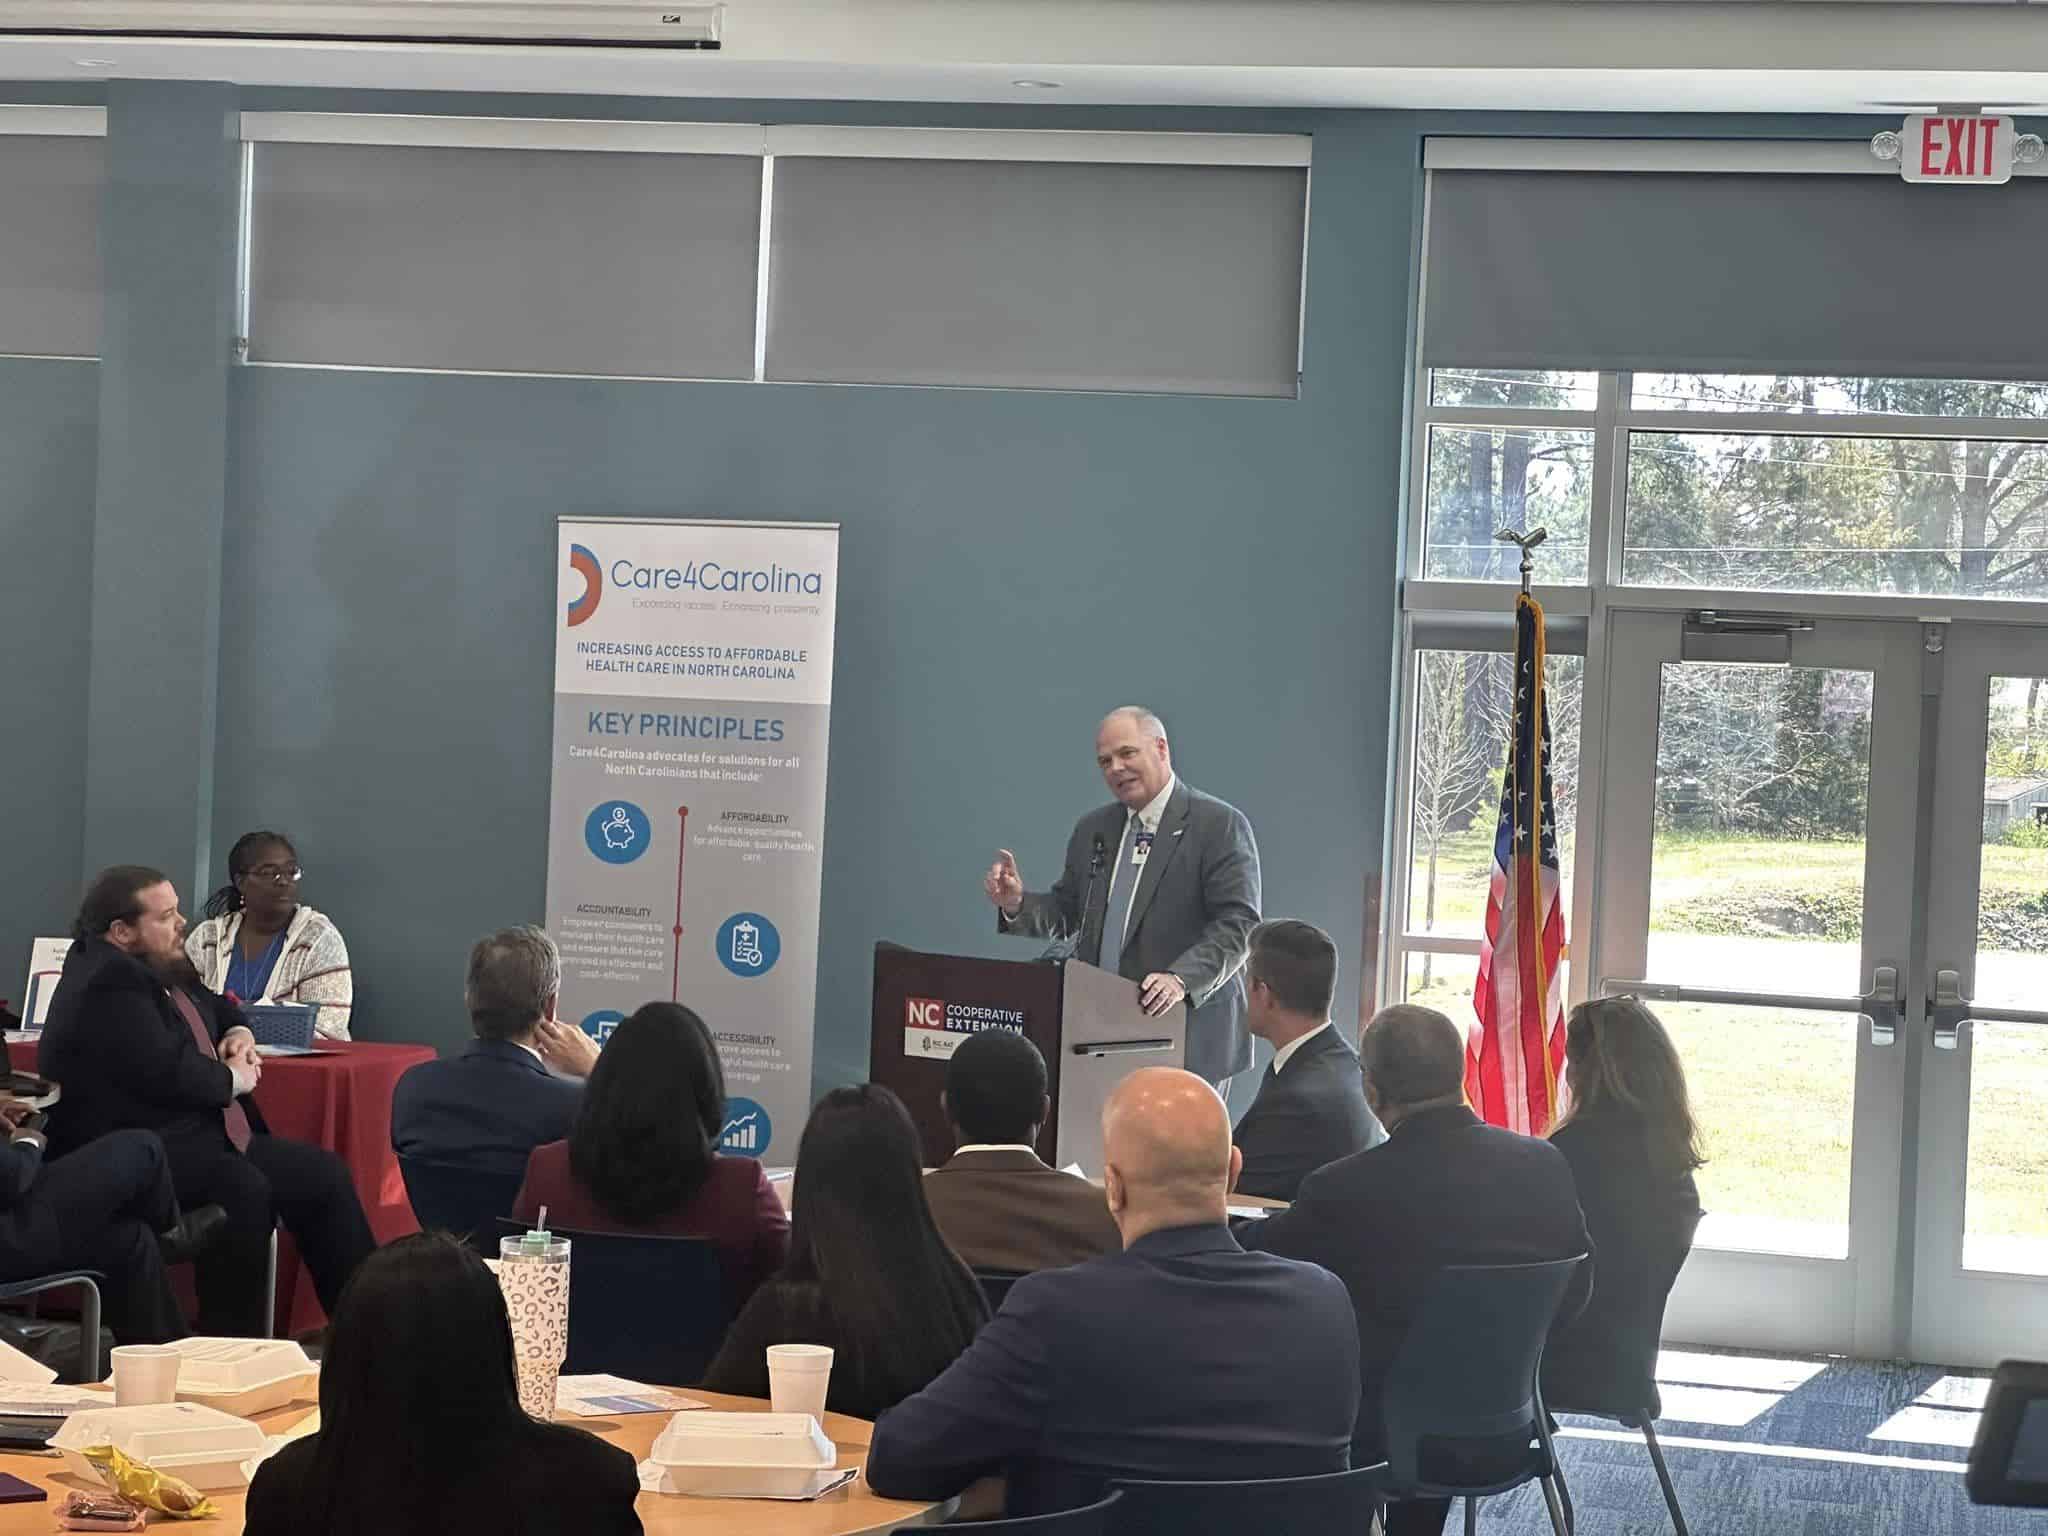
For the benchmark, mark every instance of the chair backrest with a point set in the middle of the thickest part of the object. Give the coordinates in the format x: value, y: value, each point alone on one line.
x: 650, y: 1309
x: 467, y: 1202
x: 1619, y: 1379
x: 1329, y: 1504
x: 1466, y: 1368
x: 995, y: 1285
x: 1099, y: 1519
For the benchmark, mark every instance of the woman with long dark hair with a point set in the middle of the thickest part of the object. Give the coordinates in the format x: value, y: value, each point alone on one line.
x: 868, y: 1272
x: 261, y: 944
x: 421, y: 1432
x: 643, y: 1156
x: 1633, y: 1144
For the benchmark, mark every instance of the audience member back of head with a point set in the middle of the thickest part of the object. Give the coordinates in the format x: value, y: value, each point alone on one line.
x: 1000, y: 1206
x: 421, y: 1432
x: 1183, y: 1357
x: 1444, y: 1188
x: 643, y: 1157
x: 868, y: 1273
x: 1632, y: 1144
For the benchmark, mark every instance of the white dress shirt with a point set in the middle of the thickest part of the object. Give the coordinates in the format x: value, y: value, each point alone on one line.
x: 995, y: 1146
x: 1286, y: 1052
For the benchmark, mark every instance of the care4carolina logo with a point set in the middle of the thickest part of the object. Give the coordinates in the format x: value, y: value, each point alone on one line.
x: 584, y: 564
x: 746, y: 1129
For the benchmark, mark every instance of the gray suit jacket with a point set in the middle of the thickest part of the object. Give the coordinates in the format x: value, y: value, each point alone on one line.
x: 1192, y: 914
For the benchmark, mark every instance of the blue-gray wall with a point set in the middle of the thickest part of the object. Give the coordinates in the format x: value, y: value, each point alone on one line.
x: 1012, y: 565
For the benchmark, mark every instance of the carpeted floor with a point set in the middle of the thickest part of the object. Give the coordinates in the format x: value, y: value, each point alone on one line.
x: 1766, y: 1446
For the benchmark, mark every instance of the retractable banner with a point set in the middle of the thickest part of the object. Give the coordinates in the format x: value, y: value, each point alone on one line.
x: 693, y: 693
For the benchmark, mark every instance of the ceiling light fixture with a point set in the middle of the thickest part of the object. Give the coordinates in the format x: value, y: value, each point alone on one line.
x: 1036, y: 85
x: 96, y: 63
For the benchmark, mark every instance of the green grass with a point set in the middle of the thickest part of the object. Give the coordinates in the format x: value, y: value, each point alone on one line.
x: 1773, y: 1089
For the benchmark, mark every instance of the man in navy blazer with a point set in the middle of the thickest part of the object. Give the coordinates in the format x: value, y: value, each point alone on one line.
x: 1183, y: 1357
x: 1311, y: 1106
x: 518, y: 1085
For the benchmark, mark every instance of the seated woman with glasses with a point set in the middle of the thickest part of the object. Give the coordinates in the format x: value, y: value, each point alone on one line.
x: 261, y: 944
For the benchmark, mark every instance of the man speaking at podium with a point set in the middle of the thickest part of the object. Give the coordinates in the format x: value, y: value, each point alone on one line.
x: 1161, y: 887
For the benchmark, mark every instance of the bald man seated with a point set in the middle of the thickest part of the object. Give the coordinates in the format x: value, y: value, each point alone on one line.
x: 1443, y: 1188
x: 1182, y: 1357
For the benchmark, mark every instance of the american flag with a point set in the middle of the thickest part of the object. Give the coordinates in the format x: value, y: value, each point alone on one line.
x: 1514, y: 1055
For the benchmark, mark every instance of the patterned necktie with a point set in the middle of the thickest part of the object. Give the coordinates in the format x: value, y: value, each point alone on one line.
x: 235, y: 1118
x: 1123, y: 884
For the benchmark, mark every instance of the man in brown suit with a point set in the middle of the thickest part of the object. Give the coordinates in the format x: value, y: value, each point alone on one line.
x: 995, y: 1201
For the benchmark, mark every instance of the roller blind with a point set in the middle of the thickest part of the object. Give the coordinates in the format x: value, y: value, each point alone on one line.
x: 50, y: 191
x: 516, y: 260
x: 1785, y: 273
x: 1022, y: 274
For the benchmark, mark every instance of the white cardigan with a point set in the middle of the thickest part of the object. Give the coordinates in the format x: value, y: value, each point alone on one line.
x: 312, y: 969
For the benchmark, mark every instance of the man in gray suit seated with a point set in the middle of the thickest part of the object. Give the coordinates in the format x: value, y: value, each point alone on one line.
x: 997, y: 1203
x: 1161, y: 886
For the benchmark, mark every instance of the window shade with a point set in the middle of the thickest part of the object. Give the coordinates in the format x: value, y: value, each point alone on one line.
x: 50, y: 189
x: 530, y: 261
x: 1788, y: 273
x: 1176, y: 278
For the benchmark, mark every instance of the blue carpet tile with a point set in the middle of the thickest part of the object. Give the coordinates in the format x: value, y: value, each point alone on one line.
x: 1763, y: 1445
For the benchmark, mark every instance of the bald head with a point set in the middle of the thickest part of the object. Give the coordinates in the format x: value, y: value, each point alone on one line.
x: 1413, y: 1059
x: 1131, y: 751
x: 1167, y: 1157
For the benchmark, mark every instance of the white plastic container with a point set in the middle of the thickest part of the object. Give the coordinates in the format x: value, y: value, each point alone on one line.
x: 245, y: 1376
x: 743, y: 1455
x: 204, y: 1446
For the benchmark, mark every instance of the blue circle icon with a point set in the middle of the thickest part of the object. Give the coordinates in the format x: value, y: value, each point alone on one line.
x: 599, y: 1025
x: 747, y: 1129
x: 748, y: 944
x: 617, y: 831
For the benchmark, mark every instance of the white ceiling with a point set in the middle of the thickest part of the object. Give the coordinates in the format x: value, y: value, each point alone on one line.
x: 1623, y: 55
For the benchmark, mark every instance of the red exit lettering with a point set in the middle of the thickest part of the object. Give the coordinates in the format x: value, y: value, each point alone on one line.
x: 1958, y: 149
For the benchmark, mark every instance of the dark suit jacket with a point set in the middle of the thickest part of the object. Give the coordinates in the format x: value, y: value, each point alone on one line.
x: 1444, y: 1188
x: 126, y: 1057
x: 1008, y: 1210
x: 736, y: 1209
x: 540, y: 1480
x: 1309, y: 1115
x: 1182, y: 1357
x: 1641, y: 1219
x: 486, y: 1109
x: 1192, y: 914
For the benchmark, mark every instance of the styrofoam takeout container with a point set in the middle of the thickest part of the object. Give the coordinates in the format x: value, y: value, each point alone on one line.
x: 244, y: 1376
x: 204, y: 1446
x: 743, y: 1455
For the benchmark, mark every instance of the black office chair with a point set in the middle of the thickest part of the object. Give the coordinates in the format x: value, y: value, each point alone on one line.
x: 88, y: 1282
x: 466, y: 1202
x: 1462, y: 1406
x: 650, y: 1309
x: 995, y: 1285
x: 1089, y: 1520
x: 1605, y: 1364
x: 1328, y: 1504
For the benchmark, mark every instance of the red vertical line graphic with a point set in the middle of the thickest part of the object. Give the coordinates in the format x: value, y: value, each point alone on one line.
x: 675, y: 975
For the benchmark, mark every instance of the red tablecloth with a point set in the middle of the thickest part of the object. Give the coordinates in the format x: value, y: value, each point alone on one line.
x: 341, y: 1102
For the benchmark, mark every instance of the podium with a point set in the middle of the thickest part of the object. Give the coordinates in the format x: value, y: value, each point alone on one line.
x: 1086, y: 1022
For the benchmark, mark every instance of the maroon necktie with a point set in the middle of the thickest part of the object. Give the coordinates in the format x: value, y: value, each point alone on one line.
x: 236, y: 1119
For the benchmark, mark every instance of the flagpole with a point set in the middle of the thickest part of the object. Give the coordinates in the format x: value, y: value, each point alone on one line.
x: 1526, y: 543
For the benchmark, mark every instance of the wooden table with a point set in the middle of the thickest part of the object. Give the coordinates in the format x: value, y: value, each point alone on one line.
x: 853, y: 1511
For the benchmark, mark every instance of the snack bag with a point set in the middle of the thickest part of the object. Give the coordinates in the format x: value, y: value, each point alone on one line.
x: 148, y: 1487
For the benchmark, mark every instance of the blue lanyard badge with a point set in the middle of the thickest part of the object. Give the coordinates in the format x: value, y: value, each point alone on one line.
x: 1141, y: 847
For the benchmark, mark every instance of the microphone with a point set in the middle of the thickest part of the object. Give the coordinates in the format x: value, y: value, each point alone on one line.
x: 1064, y: 948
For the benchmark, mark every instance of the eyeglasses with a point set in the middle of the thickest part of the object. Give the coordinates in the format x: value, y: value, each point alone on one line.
x: 275, y: 874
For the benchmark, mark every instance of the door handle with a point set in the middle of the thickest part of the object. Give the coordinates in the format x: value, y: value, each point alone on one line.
x: 1949, y: 1012
x: 1878, y: 1008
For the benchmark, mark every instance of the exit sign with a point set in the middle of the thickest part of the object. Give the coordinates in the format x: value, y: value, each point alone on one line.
x: 1960, y: 149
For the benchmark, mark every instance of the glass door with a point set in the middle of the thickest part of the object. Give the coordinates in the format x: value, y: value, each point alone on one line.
x: 1757, y: 797
x: 1981, y: 1227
